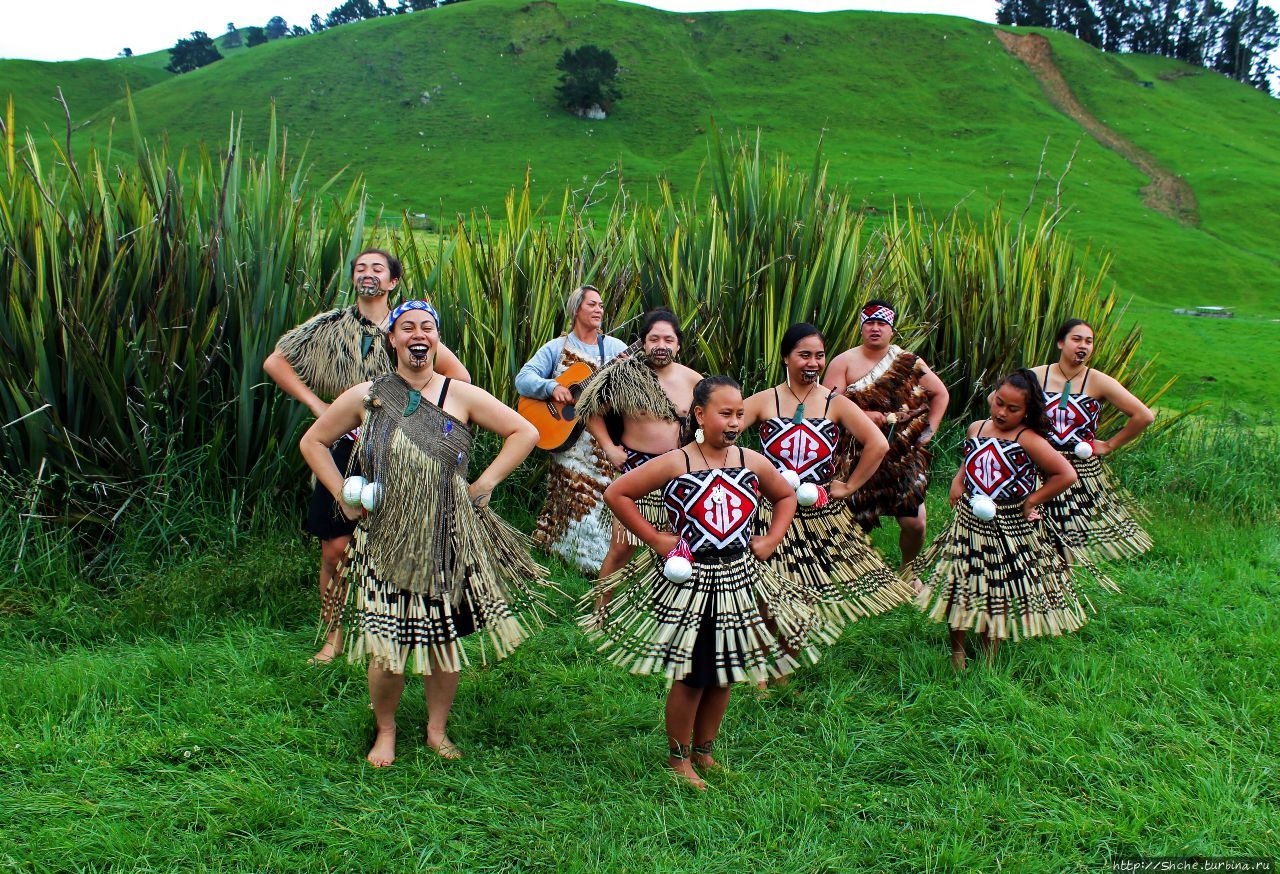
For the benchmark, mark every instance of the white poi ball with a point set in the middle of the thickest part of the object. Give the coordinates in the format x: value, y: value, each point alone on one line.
x: 678, y: 569
x: 352, y: 486
x: 1084, y: 450
x: 371, y: 496
x: 983, y: 507
x: 807, y: 494
x: 792, y: 478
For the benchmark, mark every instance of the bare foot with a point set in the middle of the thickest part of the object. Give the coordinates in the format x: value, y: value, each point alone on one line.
x: 383, y: 751
x: 683, y: 770
x: 958, y: 660
x: 444, y: 748
x: 917, y: 585
x: 705, y: 762
x: 327, y: 653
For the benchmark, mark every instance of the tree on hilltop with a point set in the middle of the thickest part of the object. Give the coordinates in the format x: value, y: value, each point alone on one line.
x: 316, y: 24
x: 126, y: 52
x: 277, y: 28
x: 588, y: 79
x: 298, y: 30
x: 232, y: 40
x: 256, y: 36
x: 192, y: 54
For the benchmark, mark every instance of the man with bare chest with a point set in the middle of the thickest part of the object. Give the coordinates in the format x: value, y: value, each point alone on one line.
x: 646, y: 398
x: 899, y: 392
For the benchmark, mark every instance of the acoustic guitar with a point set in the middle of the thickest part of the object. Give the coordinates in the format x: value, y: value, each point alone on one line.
x: 558, y: 424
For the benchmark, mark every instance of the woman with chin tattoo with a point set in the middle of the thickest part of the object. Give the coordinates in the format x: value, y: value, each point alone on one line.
x: 713, y: 613
x: 319, y: 360
x: 1095, y: 516
x: 800, y: 423
x: 429, y: 563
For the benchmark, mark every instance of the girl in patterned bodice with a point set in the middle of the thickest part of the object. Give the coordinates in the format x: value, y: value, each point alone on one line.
x: 1096, y: 518
x: 733, y: 619
x: 801, y: 423
x: 1006, y: 576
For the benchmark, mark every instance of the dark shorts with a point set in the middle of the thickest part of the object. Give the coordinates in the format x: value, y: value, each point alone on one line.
x: 324, y: 516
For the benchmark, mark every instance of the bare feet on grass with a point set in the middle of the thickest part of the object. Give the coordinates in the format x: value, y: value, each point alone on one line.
x: 444, y: 748
x: 958, y: 660
x: 326, y: 654
x: 704, y: 761
x: 383, y: 751
x: 683, y: 769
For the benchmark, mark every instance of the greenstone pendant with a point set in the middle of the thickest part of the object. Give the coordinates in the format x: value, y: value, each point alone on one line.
x: 415, y: 398
x: 799, y: 416
x: 1065, y: 396
x: 366, y: 343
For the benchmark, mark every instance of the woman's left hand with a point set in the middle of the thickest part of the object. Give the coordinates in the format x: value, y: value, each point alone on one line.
x: 839, y: 490
x: 1102, y: 447
x: 479, y: 494
x: 763, y: 548
x: 1031, y: 512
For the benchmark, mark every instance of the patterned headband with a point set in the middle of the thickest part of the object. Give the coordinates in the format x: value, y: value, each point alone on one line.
x: 412, y: 305
x: 878, y: 312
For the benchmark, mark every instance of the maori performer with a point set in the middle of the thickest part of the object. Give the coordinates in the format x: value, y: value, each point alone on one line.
x: 899, y: 392
x: 1000, y: 570
x: 800, y: 423
x: 1095, y: 517
x: 651, y: 394
x: 319, y: 360
x: 712, y: 613
x: 573, y: 522
x: 429, y: 563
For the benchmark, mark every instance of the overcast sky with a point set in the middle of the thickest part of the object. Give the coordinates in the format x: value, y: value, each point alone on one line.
x: 68, y: 29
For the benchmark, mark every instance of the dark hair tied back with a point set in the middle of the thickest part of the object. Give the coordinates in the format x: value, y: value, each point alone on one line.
x: 653, y: 317
x: 701, y: 397
x: 798, y: 332
x: 393, y: 263
x: 1036, y: 417
x: 1068, y: 326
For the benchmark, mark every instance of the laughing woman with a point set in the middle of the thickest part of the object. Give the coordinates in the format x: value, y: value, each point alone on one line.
x: 1095, y: 516
x: 429, y: 563
x: 800, y: 423
x: 723, y: 617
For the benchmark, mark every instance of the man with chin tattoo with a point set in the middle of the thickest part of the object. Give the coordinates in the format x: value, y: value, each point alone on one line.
x: 899, y: 392
x: 645, y: 398
x: 319, y: 360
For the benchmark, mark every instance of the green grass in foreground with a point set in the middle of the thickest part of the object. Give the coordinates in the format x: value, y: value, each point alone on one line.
x: 174, y: 724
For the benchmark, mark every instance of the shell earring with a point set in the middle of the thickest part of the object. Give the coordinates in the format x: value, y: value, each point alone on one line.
x: 699, y: 437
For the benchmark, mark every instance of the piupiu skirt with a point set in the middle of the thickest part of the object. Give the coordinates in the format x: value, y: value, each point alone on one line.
x: 1096, y: 518
x: 735, y: 620
x: 1005, y: 577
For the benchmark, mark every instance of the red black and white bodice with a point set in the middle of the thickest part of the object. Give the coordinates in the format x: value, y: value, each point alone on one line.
x: 713, y: 510
x: 1072, y: 420
x: 808, y: 447
x: 998, y: 468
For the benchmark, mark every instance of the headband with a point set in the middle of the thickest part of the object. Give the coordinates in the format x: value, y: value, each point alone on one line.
x: 878, y: 312
x: 412, y: 305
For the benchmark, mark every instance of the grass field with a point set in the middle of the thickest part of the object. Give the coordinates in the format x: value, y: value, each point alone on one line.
x: 172, y: 723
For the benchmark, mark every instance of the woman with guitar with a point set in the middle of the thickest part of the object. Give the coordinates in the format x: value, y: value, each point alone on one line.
x: 572, y: 523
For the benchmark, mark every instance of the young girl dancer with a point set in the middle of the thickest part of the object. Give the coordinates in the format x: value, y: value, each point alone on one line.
x: 800, y: 423
x: 1095, y: 516
x: 998, y: 569
x: 728, y: 618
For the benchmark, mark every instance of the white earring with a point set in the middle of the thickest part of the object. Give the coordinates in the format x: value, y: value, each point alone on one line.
x: 699, y: 437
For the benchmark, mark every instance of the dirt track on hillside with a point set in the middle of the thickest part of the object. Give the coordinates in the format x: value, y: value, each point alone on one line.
x: 1167, y: 192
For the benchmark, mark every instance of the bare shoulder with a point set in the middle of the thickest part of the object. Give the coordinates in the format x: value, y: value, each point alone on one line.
x: 974, y: 428
x: 689, y: 375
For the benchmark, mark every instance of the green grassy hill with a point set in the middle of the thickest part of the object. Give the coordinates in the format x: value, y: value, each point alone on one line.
x: 443, y: 111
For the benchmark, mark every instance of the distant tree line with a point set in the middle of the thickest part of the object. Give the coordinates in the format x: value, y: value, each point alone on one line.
x: 1237, y: 41
x: 200, y: 50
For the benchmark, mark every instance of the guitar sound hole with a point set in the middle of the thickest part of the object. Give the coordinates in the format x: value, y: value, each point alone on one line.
x: 569, y: 412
